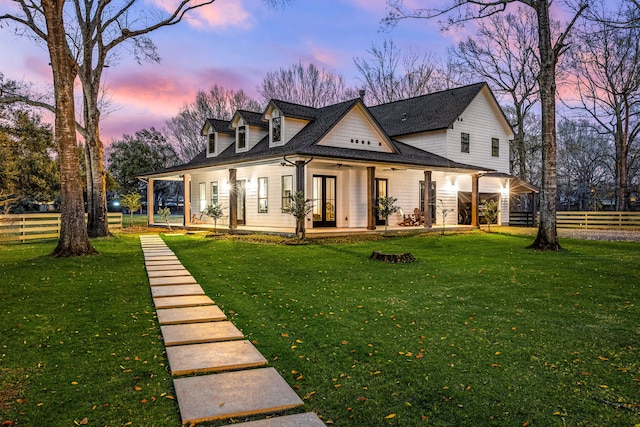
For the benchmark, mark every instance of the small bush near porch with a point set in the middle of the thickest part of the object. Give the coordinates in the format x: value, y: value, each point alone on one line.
x: 478, y: 331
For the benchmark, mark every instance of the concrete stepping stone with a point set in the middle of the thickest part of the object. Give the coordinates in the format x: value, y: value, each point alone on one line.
x: 164, y: 267
x: 194, y: 333
x: 233, y: 394
x: 307, y: 419
x: 156, y: 253
x: 176, y: 291
x: 152, y: 263
x: 169, y: 273
x: 177, y: 280
x: 160, y: 258
x: 207, y: 313
x: 210, y: 357
x: 185, y: 301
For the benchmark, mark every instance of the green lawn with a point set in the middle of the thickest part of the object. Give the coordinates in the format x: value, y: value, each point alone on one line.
x: 479, y: 331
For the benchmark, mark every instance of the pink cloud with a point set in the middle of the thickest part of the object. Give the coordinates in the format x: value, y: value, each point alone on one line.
x: 219, y: 14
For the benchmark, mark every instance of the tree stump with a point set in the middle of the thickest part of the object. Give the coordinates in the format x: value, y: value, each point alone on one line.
x: 394, y: 258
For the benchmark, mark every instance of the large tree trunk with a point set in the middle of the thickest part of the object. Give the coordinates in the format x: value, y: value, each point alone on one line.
x: 547, y: 238
x: 97, y: 225
x: 73, y: 233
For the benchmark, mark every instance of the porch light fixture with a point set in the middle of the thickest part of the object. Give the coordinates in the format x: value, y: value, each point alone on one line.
x: 225, y: 186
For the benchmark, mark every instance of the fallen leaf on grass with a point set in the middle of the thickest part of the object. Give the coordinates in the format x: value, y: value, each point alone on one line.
x: 144, y: 401
x: 602, y: 358
x: 388, y: 417
x: 137, y: 388
x: 362, y: 399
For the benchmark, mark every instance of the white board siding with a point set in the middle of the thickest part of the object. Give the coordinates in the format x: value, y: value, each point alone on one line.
x: 433, y: 142
x: 480, y: 122
x: 255, y: 135
x: 291, y: 127
x: 224, y: 141
x: 357, y: 132
x: 351, y: 193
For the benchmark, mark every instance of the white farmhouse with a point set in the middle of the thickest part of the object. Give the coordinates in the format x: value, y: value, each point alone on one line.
x: 449, y: 148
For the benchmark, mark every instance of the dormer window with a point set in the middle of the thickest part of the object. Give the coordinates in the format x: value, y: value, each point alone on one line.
x: 276, y: 130
x: 242, y: 137
x: 212, y: 143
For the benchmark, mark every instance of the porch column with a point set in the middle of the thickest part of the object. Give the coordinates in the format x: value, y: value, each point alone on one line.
x: 371, y: 198
x: 475, y: 200
x: 427, y: 200
x: 186, y: 188
x: 150, y: 199
x: 300, y: 164
x: 233, y: 200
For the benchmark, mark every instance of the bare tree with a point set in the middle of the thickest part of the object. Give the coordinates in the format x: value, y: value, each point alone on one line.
x: 389, y: 75
x: 217, y: 103
x: 549, y: 52
x: 607, y: 75
x: 503, y: 51
x: 95, y: 33
x: 306, y: 85
x: 584, y: 165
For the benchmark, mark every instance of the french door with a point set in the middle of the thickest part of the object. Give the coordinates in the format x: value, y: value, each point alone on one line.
x: 381, y: 191
x: 324, y: 201
x: 241, y: 191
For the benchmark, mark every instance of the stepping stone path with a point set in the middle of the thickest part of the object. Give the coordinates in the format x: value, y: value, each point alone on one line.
x: 231, y: 380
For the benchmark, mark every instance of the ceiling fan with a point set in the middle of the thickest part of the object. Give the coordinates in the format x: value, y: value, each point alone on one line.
x: 394, y: 169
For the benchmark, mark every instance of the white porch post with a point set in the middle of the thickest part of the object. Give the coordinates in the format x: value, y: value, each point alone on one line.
x: 150, y: 207
x: 186, y: 183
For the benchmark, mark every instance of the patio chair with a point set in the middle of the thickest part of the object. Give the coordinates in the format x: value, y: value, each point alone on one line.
x: 406, y: 219
x: 418, y: 218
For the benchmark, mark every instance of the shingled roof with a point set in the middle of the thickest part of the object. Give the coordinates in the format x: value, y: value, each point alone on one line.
x: 438, y: 110
x: 429, y: 112
x: 217, y: 125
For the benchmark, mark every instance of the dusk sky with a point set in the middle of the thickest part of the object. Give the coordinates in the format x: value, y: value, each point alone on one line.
x: 232, y: 43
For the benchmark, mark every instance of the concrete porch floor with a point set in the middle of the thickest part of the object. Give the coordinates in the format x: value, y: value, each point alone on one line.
x: 317, y: 232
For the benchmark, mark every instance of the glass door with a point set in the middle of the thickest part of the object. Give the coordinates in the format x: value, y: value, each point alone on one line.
x: 241, y: 186
x: 324, y: 201
x: 381, y: 191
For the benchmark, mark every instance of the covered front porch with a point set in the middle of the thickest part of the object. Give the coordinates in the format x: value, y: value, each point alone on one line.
x: 344, y: 195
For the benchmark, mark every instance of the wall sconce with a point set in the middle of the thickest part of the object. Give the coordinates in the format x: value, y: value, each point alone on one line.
x: 225, y: 186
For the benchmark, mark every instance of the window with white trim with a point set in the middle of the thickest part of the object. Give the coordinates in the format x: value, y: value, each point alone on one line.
x: 242, y: 137
x: 287, y: 192
x: 212, y: 143
x: 263, y: 193
x: 276, y: 130
x: 214, y: 193
x: 203, y: 196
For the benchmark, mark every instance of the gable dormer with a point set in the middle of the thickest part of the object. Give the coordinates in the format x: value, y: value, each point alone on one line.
x: 286, y: 120
x: 218, y: 136
x: 249, y: 129
x: 357, y: 129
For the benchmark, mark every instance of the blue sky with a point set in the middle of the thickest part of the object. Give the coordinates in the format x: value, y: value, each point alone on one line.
x: 232, y: 43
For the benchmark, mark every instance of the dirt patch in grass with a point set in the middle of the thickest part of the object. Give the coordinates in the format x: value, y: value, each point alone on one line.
x: 13, y: 385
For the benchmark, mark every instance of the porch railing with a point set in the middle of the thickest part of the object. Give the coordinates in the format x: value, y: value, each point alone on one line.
x: 25, y: 227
